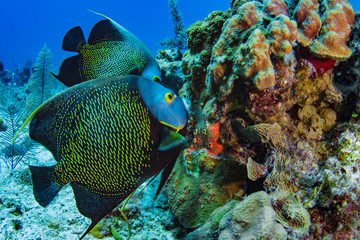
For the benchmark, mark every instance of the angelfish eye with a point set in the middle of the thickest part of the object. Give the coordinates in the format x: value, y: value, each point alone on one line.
x: 169, y: 97
x: 156, y: 79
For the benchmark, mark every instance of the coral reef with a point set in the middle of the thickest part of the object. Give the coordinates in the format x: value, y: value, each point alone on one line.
x: 308, y: 20
x: 268, y: 99
x: 18, y: 103
x: 12, y: 151
x: 169, y: 61
x: 18, y: 77
x: 273, y: 133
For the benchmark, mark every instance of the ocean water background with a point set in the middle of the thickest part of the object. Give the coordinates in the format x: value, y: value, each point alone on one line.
x: 28, y: 25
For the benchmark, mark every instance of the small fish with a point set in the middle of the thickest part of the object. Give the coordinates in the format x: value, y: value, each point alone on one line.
x: 111, y: 51
x: 108, y: 136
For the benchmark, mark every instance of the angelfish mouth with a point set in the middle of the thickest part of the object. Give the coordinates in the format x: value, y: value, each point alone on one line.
x: 178, y: 128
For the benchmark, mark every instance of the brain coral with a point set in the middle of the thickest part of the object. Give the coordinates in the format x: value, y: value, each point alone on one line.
x: 252, y: 218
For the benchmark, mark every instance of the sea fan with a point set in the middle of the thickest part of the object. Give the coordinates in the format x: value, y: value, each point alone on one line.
x: 13, y: 152
x: 180, y: 39
x: 42, y: 83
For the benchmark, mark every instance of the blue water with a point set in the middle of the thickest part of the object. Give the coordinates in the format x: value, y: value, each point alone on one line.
x: 27, y: 25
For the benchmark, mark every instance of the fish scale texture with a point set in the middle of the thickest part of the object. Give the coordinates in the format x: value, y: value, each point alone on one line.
x: 94, y: 143
x: 110, y: 58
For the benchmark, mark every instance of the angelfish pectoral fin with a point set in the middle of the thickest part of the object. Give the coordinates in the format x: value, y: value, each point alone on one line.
x: 135, y: 70
x: 170, y: 139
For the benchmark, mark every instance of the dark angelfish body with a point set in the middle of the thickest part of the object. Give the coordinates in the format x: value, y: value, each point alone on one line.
x: 108, y: 136
x: 111, y: 51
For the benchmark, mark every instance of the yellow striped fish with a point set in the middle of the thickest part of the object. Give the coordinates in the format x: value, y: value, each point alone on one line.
x: 108, y: 135
x: 111, y: 51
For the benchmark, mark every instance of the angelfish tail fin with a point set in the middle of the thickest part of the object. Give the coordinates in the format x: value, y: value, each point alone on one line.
x: 73, y: 39
x: 44, y: 186
x: 69, y: 73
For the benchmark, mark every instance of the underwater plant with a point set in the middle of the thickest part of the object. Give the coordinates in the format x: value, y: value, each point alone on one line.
x: 180, y: 39
x: 41, y: 84
x: 13, y: 152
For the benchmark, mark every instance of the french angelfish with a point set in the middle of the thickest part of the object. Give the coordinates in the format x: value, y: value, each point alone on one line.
x: 111, y: 50
x: 108, y: 136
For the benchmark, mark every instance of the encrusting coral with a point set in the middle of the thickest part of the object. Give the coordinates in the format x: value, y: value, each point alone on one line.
x: 336, y: 23
x: 264, y: 111
x: 308, y: 20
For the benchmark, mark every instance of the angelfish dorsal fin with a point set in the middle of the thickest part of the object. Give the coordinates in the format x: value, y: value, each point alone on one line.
x: 109, y: 30
x: 105, y: 30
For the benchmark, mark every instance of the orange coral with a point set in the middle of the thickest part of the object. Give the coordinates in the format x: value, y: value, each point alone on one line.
x: 308, y: 19
x: 253, y: 61
x: 337, y: 21
x: 248, y: 15
x: 218, y: 72
x: 214, y: 148
x: 282, y: 35
x: 275, y: 7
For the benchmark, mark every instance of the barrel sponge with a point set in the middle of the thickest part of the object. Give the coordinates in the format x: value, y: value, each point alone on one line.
x: 252, y: 218
x: 308, y: 20
x: 282, y: 35
x: 252, y: 60
x: 337, y: 21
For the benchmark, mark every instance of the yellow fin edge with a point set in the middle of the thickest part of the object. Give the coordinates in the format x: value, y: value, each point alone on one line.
x: 26, y: 121
x: 100, y: 14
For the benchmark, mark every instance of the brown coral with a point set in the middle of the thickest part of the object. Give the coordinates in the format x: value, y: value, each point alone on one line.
x: 308, y: 19
x: 282, y: 35
x: 248, y: 15
x: 337, y: 22
x: 275, y: 7
x: 253, y: 61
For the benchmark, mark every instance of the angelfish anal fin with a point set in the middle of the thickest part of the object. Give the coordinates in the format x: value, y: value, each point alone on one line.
x: 94, y: 206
